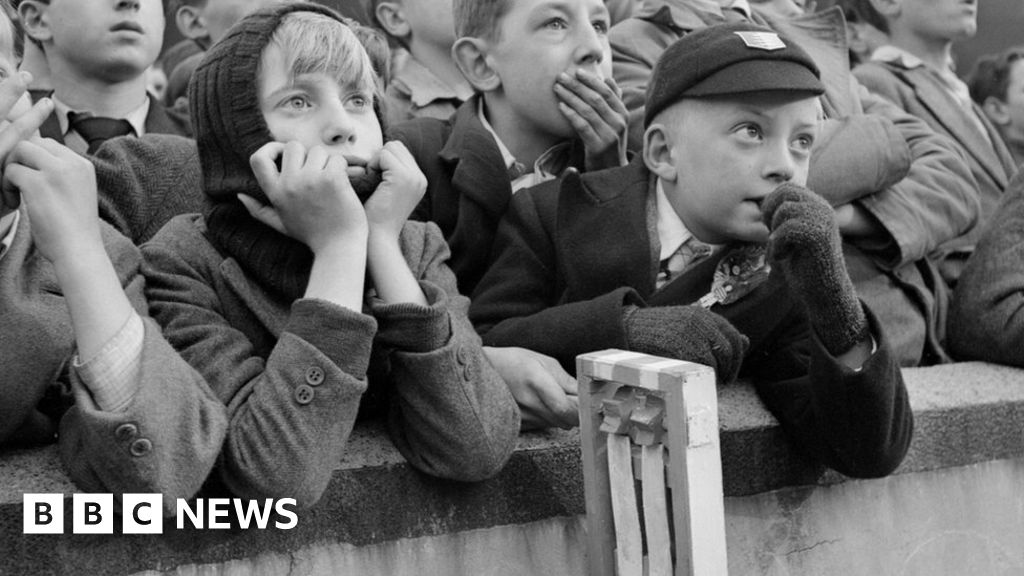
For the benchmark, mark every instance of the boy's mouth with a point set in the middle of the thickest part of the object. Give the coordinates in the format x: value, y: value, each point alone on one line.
x: 127, y: 26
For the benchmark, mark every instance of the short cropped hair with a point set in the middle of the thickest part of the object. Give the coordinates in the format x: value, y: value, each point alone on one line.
x: 991, y: 74
x: 479, y: 18
x: 863, y: 11
x: 313, y: 42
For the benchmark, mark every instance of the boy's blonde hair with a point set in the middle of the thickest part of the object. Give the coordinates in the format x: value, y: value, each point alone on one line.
x: 313, y: 42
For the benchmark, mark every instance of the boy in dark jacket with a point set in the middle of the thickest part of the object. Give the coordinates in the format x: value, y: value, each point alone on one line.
x: 709, y: 249
x: 302, y: 287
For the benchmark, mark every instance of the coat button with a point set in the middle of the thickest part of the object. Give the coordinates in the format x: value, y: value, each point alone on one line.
x: 314, y: 376
x: 462, y: 355
x: 126, y: 432
x: 303, y: 394
x: 141, y: 447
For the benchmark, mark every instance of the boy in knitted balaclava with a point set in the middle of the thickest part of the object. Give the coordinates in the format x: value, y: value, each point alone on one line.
x: 709, y: 249
x: 303, y: 284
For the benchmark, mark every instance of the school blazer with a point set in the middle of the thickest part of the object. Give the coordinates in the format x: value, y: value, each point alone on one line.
x: 468, y: 188
x: 570, y: 255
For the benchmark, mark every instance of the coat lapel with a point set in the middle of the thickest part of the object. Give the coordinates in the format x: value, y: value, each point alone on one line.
x: 477, y: 162
x: 602, y: 232
x: 946, y: 111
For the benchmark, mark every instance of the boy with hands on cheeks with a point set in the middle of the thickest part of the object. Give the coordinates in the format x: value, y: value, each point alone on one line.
x: 709, y: 249
x: 267, y: 294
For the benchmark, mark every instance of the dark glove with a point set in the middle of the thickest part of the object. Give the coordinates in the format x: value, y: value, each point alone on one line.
x: 805, y: 245
x: 687, y: 333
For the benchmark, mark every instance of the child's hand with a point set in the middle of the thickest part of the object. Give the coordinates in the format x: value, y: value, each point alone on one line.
x: 399, y: 192
x: 546, y: 394
x: 595, y: 110
x: 689, y: 333
x: 310, y: 196
x: 805, y: 244
x: 58, y: 187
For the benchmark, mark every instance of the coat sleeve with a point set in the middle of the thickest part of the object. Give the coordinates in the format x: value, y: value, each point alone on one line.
x: 517, y: 303
x: 166, y: 440
x: 987, y: 314
x: 938, y: 202
x: 858, y: 422
x: 451, y: 413
x: 290, y: 415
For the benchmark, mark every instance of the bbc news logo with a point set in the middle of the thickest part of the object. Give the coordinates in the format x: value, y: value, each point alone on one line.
x: 142, y: 513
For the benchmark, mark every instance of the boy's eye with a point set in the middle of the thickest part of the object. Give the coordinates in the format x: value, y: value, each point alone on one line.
x: 557, y: 24
x: 750, y: 131
x: 601, y: 26
x: 297, y: 103
x: 803, y: 143
x: 360, y: 101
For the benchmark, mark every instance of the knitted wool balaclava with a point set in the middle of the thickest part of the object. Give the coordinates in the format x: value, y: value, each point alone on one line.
x: 224, y: 101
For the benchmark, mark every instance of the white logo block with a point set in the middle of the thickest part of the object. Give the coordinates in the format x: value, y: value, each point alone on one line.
x: 43, y: 514
x: 142, y: 514
x: 92, y: 514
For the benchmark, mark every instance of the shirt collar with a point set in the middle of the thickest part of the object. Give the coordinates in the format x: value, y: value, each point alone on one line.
x: 506, y: 154
x: 137, y: 117
x: 424, y: 87
x: 896, y: 55
x: 548, y: 165
x: 672, y: 233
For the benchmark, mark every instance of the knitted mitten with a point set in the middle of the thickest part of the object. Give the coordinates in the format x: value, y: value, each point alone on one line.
x: 687, y: 333
x: 805, y: 245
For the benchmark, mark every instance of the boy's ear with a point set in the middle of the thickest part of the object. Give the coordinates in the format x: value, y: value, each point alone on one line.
x: 189, y: 20
x: 658, y: 152
x: 470, y: 55
x: 996, y: 111
x: 35, y: 18
x: 390, y: 17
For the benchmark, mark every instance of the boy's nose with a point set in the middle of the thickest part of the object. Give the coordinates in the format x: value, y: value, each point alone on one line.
x: 591, y: 48
x: 779, y: 166
x: 339, y: 127
x: 127, y: 4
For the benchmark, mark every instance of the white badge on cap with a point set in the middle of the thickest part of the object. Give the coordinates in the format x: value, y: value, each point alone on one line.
x: 761, y: 40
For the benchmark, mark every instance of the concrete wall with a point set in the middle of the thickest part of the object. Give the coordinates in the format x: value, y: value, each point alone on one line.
x: 954, y: 507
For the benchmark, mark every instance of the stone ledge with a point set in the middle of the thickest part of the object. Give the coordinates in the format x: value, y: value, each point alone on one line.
x: 964, y: 413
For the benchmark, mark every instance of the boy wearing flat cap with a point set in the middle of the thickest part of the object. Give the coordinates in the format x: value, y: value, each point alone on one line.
x: 709, y: 249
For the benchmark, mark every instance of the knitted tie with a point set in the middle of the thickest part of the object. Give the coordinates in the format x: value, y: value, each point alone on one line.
x: 689, y: 252
x: 97, y: 129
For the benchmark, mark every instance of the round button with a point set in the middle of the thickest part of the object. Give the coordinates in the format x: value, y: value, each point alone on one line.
x: 141, y: 447
x: 303, y: 394
x: 314, y: 376
x: 467, y: 372
x: 462, y: 355
x: 126, y: 432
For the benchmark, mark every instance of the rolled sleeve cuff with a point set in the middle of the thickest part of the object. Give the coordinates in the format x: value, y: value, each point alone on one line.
x: 344, y: 336
x: 412, y: 327
x: 111, y: 376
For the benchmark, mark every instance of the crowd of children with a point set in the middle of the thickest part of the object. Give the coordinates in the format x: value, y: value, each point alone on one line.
x: 206, y: 291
